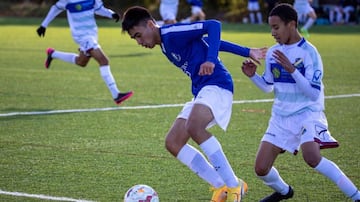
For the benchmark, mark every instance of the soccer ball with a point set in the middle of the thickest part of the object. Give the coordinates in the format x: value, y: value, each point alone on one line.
x: 141, y: 193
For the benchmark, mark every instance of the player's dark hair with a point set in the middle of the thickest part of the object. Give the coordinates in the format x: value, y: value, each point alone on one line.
x: 286, y: 12
x: 134, y: 16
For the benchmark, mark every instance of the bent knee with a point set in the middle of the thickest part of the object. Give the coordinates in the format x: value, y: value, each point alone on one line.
x: 312, y: 161
x: 261, y: 170
x: 172, y: 146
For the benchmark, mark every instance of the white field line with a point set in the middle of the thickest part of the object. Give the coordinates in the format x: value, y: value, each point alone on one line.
x: 40, y: 196
x: 146, y: 107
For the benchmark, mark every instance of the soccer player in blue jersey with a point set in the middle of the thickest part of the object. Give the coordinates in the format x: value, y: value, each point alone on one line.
x: 81, y: 18
x: 294, y: 71
x: 212, y: 87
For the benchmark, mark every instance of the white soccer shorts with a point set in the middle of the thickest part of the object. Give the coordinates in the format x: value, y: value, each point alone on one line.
x: 290, y: 132
x: 87, y: 43
x: 168, y: 11
x: 219, y: 100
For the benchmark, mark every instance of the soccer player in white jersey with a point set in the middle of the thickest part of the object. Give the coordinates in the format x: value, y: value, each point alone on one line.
x: 294, y: 71
x: 81, y: 19
x: 168, y: 10
x: 306, y: 15
x: 254, y: 10
x: 212, y: 87
x: 197, y: 13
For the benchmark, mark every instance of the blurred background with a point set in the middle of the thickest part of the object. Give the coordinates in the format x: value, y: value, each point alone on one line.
x: 224, y: 10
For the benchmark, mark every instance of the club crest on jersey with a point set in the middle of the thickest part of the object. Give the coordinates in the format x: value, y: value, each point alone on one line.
x: 299, y: 63
x: 177, y: 57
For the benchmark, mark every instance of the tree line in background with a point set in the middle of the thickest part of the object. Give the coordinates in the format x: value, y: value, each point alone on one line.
x: 227, y: 10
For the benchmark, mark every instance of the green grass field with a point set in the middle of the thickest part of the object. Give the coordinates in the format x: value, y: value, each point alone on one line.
x: 98, y: 155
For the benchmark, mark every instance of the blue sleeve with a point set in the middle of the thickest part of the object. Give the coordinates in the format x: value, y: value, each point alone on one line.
x: 227, y: 46
x: 213, y: 29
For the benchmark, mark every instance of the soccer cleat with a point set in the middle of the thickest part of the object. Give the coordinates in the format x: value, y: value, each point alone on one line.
x: 122, y: 97
x: 236, y: 194
x: 305, y: 32
x: 49, y: 58
x: 219, y: 194
x: 276, y: 196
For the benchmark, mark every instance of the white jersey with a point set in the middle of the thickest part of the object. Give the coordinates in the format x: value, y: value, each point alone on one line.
x: 303, y: 7
x: 168, y: 9
x: 80, y: 15
x: 289, y: 99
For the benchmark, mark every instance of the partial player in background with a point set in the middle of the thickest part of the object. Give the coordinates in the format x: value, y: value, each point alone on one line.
x: 294, y: 71
x: 197, y: 12
x: 254, y: 11
x: 212, y: 88
x: 168, y: 11
x: 306, y: 14
x: 84, y: 30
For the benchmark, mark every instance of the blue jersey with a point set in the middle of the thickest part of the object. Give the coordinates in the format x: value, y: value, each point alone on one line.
x: 185, y: 46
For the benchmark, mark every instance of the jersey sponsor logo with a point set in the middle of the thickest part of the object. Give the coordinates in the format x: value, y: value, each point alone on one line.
x: 281, y: 75
x: 276, y: 72
x: 184, y: 68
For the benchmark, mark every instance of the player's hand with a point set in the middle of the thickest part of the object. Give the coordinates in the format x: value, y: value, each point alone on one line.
x: 249, y: 68
x: 41, y: 31
x: 206, y: 68
x: 281, y: 58
x: 116, y: 17
x: 257, y: 54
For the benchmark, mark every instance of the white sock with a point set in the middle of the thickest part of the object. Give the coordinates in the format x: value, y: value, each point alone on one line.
x: 274, y: 180
x: 109, y: 80
x: 217, y: 158
x: 64, y: 56
x: 197, y: 163
x: 308, y: 23
x: 333, y: 172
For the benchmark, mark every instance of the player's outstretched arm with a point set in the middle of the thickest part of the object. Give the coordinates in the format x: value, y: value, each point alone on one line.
x: 53, y: 12
x: 256, y: 54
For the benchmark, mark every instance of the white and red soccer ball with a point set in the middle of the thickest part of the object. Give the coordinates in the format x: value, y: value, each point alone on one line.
x: 141, y: 193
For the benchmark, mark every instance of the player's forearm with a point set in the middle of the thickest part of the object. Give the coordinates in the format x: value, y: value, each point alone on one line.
x: 105, y: 12
x: 305, y: 86
x: 53, y: 12
x: 234, y: 48
x: 261, y: 84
